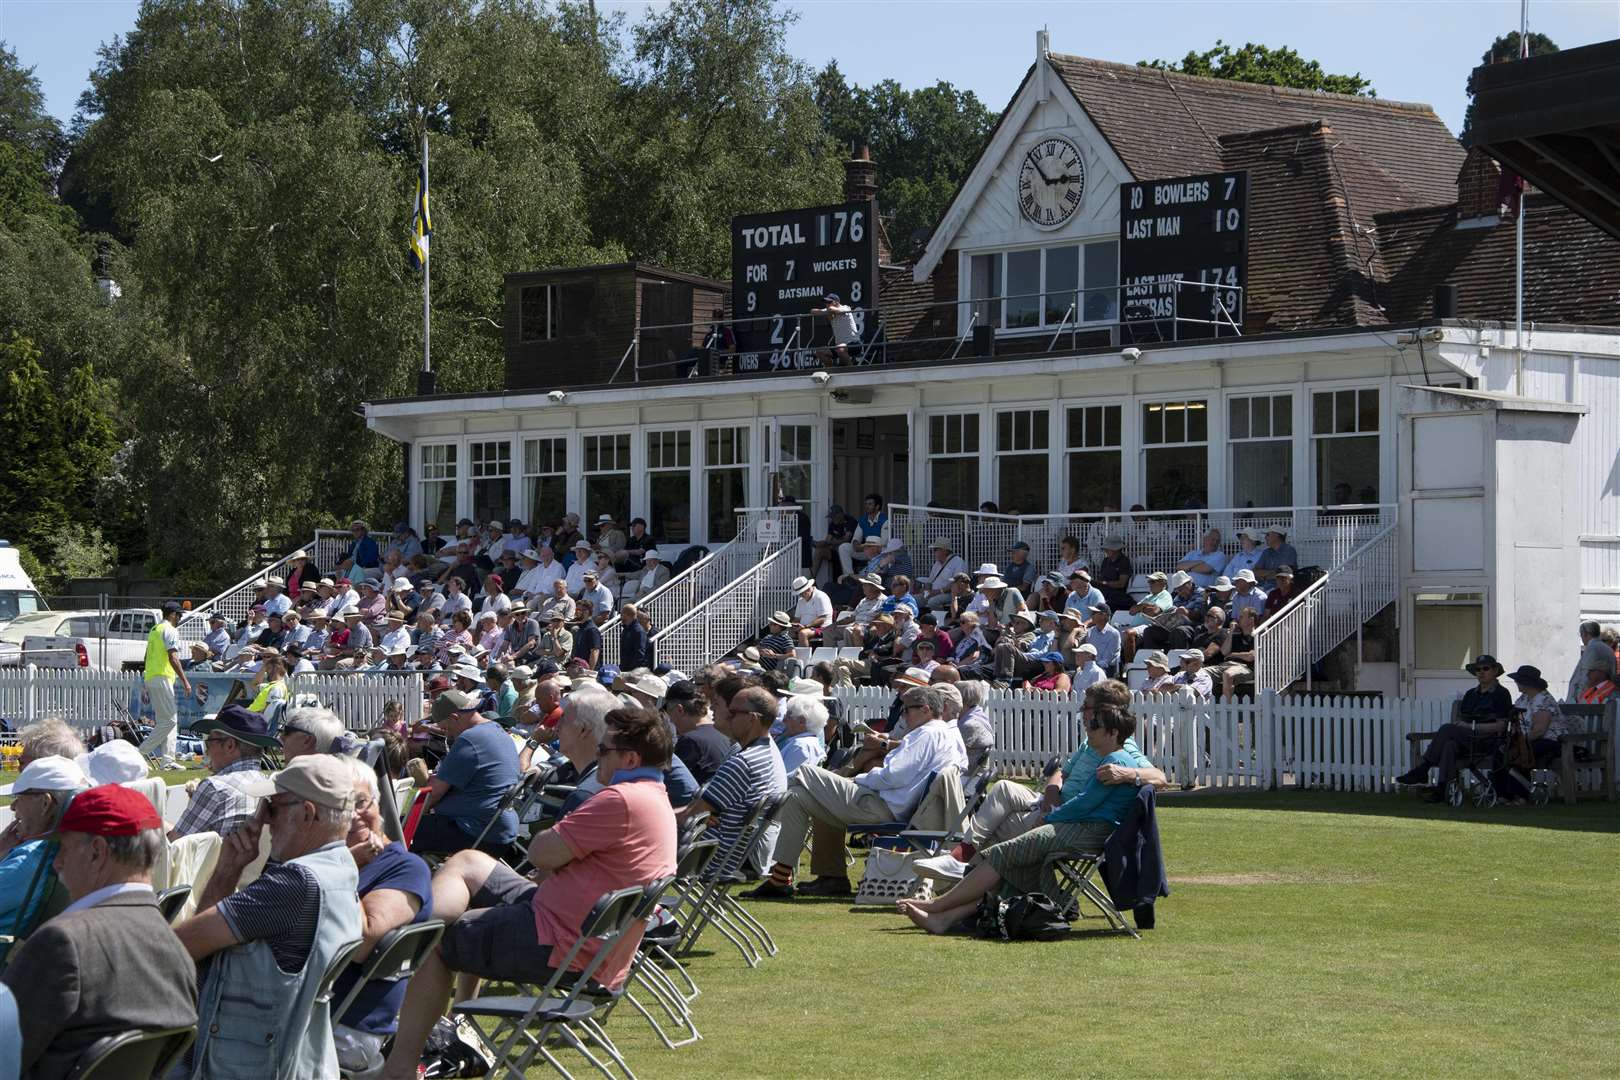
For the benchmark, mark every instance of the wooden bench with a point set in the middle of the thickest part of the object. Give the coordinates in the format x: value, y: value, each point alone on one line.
x: 1598, y: 738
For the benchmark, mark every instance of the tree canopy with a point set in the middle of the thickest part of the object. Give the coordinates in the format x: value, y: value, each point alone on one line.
x: 1262, y: 64
x: 1504, y: 49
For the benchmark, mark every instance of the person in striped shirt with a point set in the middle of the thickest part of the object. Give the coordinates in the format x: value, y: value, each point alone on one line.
x: 752, y: 773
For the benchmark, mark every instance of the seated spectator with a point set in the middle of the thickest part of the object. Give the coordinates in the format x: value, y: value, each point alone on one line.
x: 1081, y: 824
x: 1234, y: 652
x: 553, y: 642
x: 1596, y: 654
x: 265, y: 948
x: 218, y: 639
x: 1018, y: 653
x: 840, y: 531
x: 1082, y: 593
x: 395, y: 889
x: 48, y: 738
x: 1011, y: 808
x: 1282, y: 591
x: 506, y: 694
x: 971, y: 652
x: 1103, y: 635
x: 505, y: 926
x: 934, y: 586
x: 978, y: 733
x: 540, y: 570
x: 754, y: 772
x: 1278, y: 553
x: 522, y: 633
x: 1051, y: 677
x: 1159, y: 679
x: 1247, y: 595
x: 606, y: 577
x: 581, y: 730
x: 890, y: 790
x: 309, y: 730
x: 1206, y: 561
x: 865, y: 558
x: 1113, y: 576
x: 559, y: 604
x: 699, y: 743
x: 41, y: 794
x: 233, y: 744
x: 1069, y: 558
x: 1251, y: 545
x: 1599, y: 687
x: 995, y: 605
x: 1481, y: 722
x: 637, y: 543
x: 109, y: 961
x: 900, y: 597
x: 654, y: 575
x: 595, y: 599
x: 1019, y: 572
x: 610, y: 539
x: 873, y: 523
x: 1156, y: 603
x: 1050, y: 594
x: 361, y: 555
x: 1087, y: 672
x: 643, y: 686
x: 851, y: 627
x: 813, y: 613
x: 466, y: 789
x: 582, y: 562
x: 269, y: 685
x: 804, y: 728
x: 1544, y: 724
x: 892, y: 562
x: 1221, y: 592
x: 1186, y: 597
x: 1193, y: 676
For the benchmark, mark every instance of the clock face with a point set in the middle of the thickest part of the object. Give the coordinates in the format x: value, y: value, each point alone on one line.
x: 1051, y: 182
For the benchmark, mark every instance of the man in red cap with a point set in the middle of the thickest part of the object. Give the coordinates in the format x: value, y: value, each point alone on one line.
x: 109, y: 962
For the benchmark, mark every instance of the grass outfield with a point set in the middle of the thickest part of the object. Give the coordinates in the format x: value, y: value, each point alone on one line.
x: 1307, y: 935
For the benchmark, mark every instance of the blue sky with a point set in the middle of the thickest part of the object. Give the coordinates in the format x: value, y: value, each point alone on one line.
x: 1412, y: 50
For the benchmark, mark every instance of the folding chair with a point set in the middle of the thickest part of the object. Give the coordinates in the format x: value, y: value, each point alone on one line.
x: 46, y: 897
x: 802, y: 654
x: 646, y: 974
x: 524, y: 1023
x: 522, y: 788
x: 133, y: 1055
x: 395, y: 957
x: 170, y: 901
x: 340, y: 961
x: 888, y: 834
x: 974, y: 787
x: 709, y: 898
x: 1075, y: 874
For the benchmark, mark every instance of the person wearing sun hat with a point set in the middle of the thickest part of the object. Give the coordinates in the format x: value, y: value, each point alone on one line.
x: 1481, y: 723
x: 41, y: 794
x: 234, y: 741
x: 934, y: 586
x: 1544, y: 722
x: 812, y: 611
x: 109, y: 961
x: 1159, y: 678
x: 269, y: 943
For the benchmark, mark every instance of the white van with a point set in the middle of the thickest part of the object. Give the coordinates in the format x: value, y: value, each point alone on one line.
x: 17, y: 593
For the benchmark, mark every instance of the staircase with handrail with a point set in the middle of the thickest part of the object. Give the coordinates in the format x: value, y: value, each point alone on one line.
x: 730, y: 616
x: 326, y: 547
x: 1326, y: 613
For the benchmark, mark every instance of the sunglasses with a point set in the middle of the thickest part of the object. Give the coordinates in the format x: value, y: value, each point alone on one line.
x: 269, y: 807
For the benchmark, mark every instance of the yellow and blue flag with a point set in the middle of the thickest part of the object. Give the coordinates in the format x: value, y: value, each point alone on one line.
x: 422, y: 223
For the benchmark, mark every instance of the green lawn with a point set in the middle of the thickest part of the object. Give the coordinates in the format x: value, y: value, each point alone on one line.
x: 1307, y: 935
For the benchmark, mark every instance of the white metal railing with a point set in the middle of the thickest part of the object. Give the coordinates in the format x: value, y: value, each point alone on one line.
x: 85, y: 697
x: 326, y: 548
x: 1325, y: 613
x: 687, y: 590
x: 721, y: 622
x: 1154, y: 540
x: 1340, y: 744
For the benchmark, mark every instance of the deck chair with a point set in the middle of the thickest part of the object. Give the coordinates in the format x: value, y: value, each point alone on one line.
x: 522, y: 1025
x: 133, y: 1055
x: 170, y: 901
x: 190, y: 861
x: 395, y: 957
x: 45, y: 898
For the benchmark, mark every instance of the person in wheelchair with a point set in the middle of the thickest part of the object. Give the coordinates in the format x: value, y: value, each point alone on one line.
x: 1478, y: 731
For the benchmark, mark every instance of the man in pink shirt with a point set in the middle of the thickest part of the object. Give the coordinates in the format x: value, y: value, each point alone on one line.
x: 505, y: 926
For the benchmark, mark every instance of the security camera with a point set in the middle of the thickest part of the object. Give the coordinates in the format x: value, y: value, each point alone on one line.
x: 1131, y: 354
x: 821, y: 378
x: 558, y: 396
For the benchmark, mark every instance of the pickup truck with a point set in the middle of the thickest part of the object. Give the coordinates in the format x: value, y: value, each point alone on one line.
x: 33, y: 624
x: 102, y: 640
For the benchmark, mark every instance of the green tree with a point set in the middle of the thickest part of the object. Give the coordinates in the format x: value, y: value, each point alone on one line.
x: 1262, y: 64
x: 23, y: 119
x: 1504, y: 49
x: 924, y: 141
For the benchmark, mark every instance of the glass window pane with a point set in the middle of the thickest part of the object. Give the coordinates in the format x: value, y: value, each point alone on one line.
x: 1175, y: 422
x: 492, y: 499
x: 671, y: 497
x: 1004, y: 431
x: 1367, y: 420
x: 1043, y: 430
x: 1076, y: 429
x: 1062, y: 278
x: 1094, y: 483
x: 1237, y: 418
x: 1023, y: 288
x: 439, y: 504
x: 1282, y: 415
x: 1344, y: 411
x: 1447, y: 636
x: 1111, y: 422
x: 936, y: 434
x: 726, y: 488
x: 607, y: 493
x: 955, y: 483
x: 1197, y: 421
x: 970, y: 434
x: 1102, y: 281
x: 1347, y: 470
x: 1261, y: 474
x: 1322, y: 413
x: 548, y: 500
x: 1021, y: 436
x: 1260, y: 410
x: 986, y: 282
x: 796, y: 482
x: 1153, y: 423
x: 1176, y: 478
x: 1021, y: 483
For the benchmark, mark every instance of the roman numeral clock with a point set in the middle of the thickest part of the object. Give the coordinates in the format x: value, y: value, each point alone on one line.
x: 1051, y: 182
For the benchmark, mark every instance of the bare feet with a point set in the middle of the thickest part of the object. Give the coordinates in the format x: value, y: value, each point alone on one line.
x: 934, y: 924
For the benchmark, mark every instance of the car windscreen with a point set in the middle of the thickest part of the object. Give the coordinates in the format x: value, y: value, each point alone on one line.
x: 15, y: 603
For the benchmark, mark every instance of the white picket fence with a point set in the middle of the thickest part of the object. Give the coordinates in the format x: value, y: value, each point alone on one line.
x: 1324, y: 742
x: 87, y: 698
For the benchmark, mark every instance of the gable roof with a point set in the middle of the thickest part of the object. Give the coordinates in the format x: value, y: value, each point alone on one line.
x: 1164, y: 124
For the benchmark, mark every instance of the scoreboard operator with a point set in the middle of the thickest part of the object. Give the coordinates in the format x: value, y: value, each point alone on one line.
x: 842, y: 319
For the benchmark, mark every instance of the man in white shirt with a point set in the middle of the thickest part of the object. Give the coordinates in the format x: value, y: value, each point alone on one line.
x: 995, y: 604
x: 653, y: 575
x: 1251, y: 543
x: 396, y: 635
x: 595, y: 600
x: 842, y: 319
x: 934, y: 587
x: 576, y: 572
x: 1193, y: 676
x: 540, y: 569
x: 1089, y: 673
x: 1205, y: 562
x: 889, y: 792
x: 276, y: 600
x: 853, y: 624
x: 813, y: 613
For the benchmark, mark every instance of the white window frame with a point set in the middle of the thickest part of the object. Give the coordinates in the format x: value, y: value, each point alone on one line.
x: 588, y: 513
x: 1124, y: 406
x: 770, y: 444
x: 524, y: 475
x: 968, y: 301
x: 701, y: 461
x: 1211, y: 432
x: 456, y: 478
x: 1290, y: 390
x: 647, y: 471
x: 978, y: 456
x: 1385, y: 399
x: 997, y: 453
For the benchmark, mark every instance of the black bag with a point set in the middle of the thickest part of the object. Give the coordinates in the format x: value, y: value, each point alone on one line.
x: 452, y: 1051
x: 1025, y: 917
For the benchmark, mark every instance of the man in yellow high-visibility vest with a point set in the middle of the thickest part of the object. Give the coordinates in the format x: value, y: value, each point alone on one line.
x: 162, y: 669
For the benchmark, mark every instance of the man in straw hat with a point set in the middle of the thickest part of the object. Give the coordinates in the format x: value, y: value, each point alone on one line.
x: 812, y: 612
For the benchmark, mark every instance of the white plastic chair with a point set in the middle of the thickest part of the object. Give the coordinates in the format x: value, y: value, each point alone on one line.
x: 802, y: 654
x: 849, y: 652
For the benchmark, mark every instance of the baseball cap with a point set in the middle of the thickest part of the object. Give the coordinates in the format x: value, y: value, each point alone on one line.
x: 110, y: 810
x: 51, y: 773
x: 323, y: 779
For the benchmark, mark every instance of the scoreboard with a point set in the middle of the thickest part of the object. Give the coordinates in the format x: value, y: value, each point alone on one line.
x: 782, y: 264
x: 1183, y: 256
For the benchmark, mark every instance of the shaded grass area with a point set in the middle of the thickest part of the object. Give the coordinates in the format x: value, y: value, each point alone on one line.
x: 1308, y: 935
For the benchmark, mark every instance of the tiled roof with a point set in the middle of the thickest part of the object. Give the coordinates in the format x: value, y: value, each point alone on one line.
x: 1571, y: 268
x: 1163, y: 124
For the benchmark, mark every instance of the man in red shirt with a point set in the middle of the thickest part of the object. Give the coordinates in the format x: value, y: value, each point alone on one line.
x: 505, y: 926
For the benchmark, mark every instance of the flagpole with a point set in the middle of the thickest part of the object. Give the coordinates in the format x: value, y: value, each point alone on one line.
x: 427, y: 268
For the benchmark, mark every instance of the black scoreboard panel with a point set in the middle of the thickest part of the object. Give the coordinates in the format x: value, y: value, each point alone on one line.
x: 1183, y: 256
x: 782, y: 264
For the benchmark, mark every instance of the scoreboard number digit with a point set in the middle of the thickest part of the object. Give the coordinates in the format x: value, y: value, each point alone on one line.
x: 753, y: 300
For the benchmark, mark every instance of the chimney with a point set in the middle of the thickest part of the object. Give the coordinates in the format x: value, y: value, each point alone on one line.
x: 860, y: 176
x: 1483, y: 190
